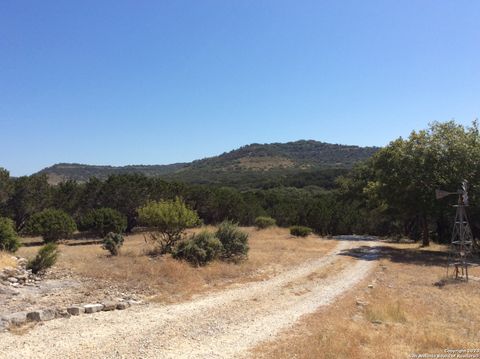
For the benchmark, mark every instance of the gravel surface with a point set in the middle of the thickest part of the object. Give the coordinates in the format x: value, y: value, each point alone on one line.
x: 225, y: 324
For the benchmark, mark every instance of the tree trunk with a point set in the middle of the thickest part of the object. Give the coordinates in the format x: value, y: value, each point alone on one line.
x: 425, y: 234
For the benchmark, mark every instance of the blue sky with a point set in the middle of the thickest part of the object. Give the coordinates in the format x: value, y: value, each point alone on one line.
x: 155, y: 82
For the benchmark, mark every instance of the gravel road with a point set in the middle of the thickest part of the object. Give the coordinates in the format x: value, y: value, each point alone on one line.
x: 225, y: 324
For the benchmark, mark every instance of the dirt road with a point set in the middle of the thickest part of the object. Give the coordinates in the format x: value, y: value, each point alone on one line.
x: 220, y: 325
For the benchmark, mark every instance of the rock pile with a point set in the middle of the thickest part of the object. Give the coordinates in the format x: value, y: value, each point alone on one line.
x: 43, y: 315
x: 19, y: 275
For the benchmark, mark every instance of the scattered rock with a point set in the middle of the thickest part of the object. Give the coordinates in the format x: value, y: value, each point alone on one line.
x: 22, y: 262
x: 16, y: 318
x: 62, y: 313
x: 75, y: 310
x: 93, y: 308
x: 109, y: 305
x: 134, y: 302
x: 361, y: 303
x: 7, y: 290
x: 41, y: 315
x: 3, y: 325
x: 123, y: 305
x: 19, y: 275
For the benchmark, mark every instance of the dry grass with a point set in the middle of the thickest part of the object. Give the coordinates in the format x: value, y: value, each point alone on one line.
x: 404, y: 313
x: 265, y: 163
x: 167, y: 280
x: 387, y: 311
x: 6, y: 260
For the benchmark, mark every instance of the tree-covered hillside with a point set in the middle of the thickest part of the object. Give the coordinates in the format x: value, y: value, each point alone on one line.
x: 390, y: 194
x: 255, y: 165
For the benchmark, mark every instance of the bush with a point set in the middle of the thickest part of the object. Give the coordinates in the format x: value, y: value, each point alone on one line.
x: 264, y: 222
x: 234, y: 241
x: 103, y: 221
x: 199, y: 249
x: 51, y: 224
x: 45, y: 258
x: 168, y: 219
x: 300, y: 231
x: 112, y: 243
x: 8, y: 236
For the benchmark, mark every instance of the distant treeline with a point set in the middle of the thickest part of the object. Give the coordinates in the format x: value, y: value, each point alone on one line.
x: 392, y: 193
x: 311, y: 205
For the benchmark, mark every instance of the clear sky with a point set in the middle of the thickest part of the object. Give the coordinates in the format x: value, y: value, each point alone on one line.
x: 155, y: 82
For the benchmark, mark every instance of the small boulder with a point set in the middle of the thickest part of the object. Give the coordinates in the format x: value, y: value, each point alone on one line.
x: 134, y: 302
x: 3, y: 325
x: 93, y: 308
x: 16, y: 318
x: 12, y: 279
x: 62, y: 313
x: 123, y: 305
x: 109, y: 305
x: 41, y: 315
x: 75, y: 310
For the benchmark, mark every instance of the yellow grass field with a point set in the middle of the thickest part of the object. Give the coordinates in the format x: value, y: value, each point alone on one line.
x: 168, y: 280
x: 403, y: 313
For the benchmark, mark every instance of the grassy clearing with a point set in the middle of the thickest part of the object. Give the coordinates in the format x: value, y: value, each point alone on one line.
x: 167, y: 280
x: 6, y: 260
x: 403, y: 313
x: 389, y: 311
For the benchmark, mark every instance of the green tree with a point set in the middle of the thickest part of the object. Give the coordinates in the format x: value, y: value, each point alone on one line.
x: 51, y: 224
x: 30, y: 195
x: 8, y: 236
x: 168, y: 219
x: 6, y: 189
x: 102, y: 221
x: 126, y: 193
x: 226, y: 203
x: 46, y: 257
x: 67, y: 196
x: 112, y: 243
x: 408, y: 171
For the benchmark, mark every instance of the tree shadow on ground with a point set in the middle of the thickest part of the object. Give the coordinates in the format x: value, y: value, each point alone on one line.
x: 401, y: 255
x: 83, y: 242
x: 76, y: 240
x: 33, y: 243
x: 354, y: 238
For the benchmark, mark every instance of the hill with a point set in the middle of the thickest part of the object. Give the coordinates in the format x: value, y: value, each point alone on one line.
x: 251, y: 165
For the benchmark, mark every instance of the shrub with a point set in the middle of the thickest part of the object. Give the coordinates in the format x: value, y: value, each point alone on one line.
x: 264, y: 222
x: 45, y: 258
x: 8, y: 236
x: 199, y: 249
x: 169, y: 220
x: 51, y: 224
x: 300, y: 231
x: 112, y: 243
x: 234, y: 241
x: 103, y: 221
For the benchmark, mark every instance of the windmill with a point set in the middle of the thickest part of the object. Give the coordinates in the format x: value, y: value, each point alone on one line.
x: 462, y: 242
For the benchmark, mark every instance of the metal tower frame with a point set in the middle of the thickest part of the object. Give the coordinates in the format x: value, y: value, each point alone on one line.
x: 461, y: 246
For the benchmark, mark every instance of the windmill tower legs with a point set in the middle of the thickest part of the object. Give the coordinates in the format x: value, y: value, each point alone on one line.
x: 461, y: 244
